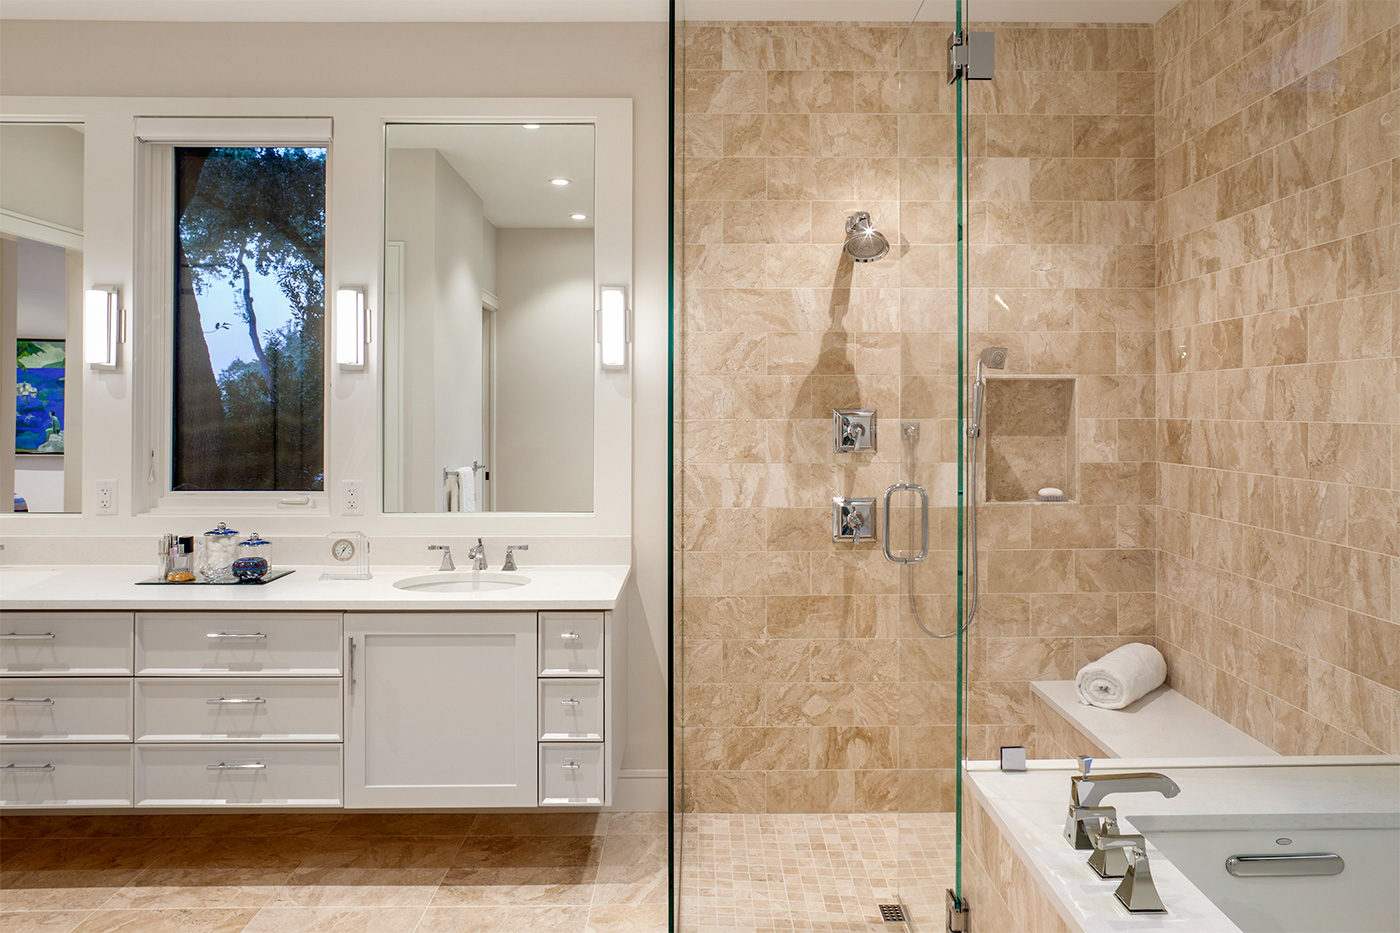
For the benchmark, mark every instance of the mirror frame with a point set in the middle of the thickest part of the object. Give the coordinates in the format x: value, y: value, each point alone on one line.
x: 119, y: 408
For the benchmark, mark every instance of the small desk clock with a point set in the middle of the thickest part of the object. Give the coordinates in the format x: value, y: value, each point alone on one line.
x: 346, y: 556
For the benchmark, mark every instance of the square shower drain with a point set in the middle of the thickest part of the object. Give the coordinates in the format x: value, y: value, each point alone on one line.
x: 892, y: 913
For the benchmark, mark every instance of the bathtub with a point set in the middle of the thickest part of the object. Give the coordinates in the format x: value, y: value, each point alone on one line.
x: 1348, y: 807
x: 1260, y: 897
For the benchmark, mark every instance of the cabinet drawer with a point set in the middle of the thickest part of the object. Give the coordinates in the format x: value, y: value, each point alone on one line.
x: 238, y: 775
x: 571, y: 710
x: 65, y: 776
x: 246, y: 709
x: 65, y: 643
x: 571, y: 774
x: 280, y: 643
x: 571, y: 644
x: 65, y: 709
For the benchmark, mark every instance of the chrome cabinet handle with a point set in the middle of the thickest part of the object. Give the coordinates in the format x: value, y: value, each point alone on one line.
x: 236, y: 700
x: 222, y: 766
x: 24, y: 701
x: 569, y: 702
x: 43, y: 767
x: 28, y: 636
x: 351, y: 672
x: 570, y: 766
x: 236, y: 635
x: 570, y: 636
x: 889, y: 522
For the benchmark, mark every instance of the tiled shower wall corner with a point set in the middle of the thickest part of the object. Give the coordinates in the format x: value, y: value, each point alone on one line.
x: 807, y: 685
x: 1278, y: 131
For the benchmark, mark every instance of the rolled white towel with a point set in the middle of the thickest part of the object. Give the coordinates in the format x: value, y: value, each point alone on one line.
x: 1123, y: 675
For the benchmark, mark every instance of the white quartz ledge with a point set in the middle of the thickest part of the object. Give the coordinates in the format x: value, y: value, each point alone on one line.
x: 114, y: 587
x: 1162, y: 724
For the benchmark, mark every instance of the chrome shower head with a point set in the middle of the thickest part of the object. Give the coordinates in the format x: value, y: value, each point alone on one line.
x: 863, y: 242
x: 993, y: 358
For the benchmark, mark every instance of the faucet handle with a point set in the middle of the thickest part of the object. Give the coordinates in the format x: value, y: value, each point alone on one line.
x: 446, y: 550
x: 510, y: 555
x: 1085, y: 763
x: 1135, y: 841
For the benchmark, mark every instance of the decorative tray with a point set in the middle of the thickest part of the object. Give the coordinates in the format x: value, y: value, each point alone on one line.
x: 268, y: 578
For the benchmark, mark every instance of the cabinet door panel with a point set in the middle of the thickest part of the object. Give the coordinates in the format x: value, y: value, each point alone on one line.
x: 442, y: 710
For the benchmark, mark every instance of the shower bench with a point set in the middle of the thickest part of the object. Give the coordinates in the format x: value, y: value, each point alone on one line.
x: 1163, y: 724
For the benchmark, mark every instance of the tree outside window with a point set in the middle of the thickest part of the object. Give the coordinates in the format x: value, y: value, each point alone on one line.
x: 250, y: 234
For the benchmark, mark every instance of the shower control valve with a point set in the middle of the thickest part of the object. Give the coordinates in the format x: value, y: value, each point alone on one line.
x: 853, y: 430
x: 852, y: 519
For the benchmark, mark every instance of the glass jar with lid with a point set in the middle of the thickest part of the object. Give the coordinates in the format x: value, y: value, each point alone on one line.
x: 220, y: 546
x: 254, y: 559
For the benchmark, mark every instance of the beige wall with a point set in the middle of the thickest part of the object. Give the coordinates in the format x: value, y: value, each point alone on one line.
x: 1277, y: 140
x: 807, y: 685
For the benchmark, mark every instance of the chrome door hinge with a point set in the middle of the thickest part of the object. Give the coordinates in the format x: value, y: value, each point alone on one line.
x: 958, y: 920
x: 971, y: 55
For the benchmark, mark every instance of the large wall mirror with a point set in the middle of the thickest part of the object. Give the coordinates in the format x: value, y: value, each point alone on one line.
x: 488, y: 317
x: 41, y: 273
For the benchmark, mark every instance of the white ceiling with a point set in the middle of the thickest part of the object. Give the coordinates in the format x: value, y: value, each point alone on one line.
x: 510, y: 167
x: 523, y: 11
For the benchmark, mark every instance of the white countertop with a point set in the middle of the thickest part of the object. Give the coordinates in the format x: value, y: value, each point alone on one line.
x: 1029, y: 809
x: 1162, y: 724
x: 90, y: 587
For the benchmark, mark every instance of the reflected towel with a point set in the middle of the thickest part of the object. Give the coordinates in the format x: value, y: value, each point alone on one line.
x: 461, y: 490
x: 1123, y: 675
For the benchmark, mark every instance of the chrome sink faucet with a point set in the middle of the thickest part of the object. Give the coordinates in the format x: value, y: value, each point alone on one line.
x: 446, y: 550
x: 478, y: 554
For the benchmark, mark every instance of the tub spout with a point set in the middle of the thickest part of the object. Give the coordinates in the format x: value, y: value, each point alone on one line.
x: 1089, y: 791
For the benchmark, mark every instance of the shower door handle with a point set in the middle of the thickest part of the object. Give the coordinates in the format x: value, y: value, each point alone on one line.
x: 923, y: 522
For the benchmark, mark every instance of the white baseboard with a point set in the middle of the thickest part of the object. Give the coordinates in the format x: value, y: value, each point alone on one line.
x: 642, y: 789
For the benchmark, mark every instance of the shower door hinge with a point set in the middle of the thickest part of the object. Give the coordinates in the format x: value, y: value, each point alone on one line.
x: 971, y: 55
x: 958, y: 920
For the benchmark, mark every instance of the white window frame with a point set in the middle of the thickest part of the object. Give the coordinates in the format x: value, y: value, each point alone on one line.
x: 156, y: 141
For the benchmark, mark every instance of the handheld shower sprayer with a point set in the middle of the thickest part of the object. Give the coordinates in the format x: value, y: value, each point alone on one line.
x: 990, y: 358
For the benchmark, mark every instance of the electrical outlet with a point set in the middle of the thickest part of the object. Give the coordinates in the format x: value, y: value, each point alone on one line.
x: 352, y: 497
x: 106, y: 497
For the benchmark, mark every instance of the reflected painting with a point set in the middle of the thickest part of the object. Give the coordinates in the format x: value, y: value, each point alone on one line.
x: 39, y: 397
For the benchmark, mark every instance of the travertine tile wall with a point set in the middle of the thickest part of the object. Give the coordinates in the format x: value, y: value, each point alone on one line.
x: 807, y: 686
x: 1278, y: 131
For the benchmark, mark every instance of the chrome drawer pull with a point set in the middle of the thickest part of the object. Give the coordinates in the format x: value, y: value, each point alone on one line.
x: 569, y: 702
x: 570, y: 636
x: 1279, y: 866
x: 24, y: 701
x: 235, y: 635
x: 44, y: 767
x: 28, y: 636
x: 222, y: 766
x: 570, y: 766
x: 236, y: 700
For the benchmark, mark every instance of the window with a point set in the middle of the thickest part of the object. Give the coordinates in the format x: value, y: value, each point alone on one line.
x: 249, y: 318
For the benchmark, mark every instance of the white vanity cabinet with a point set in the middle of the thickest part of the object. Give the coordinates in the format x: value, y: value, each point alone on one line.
x: 431, y: 709
x: 440, y: 709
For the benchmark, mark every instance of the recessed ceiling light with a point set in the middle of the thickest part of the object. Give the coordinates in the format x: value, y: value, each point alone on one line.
x: 578, y: 216
x: 531, y: 126
x: 559, y: 181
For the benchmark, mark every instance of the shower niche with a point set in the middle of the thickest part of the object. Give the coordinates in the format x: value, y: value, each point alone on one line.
x: 1030, y: 438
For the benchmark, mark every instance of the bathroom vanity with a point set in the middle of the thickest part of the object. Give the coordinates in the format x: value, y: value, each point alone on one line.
x: 309, y: 693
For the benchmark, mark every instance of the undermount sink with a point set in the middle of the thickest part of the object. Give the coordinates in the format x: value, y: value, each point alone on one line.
x: 461, y: 582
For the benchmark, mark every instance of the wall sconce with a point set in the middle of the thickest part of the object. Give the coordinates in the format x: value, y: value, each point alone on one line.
x: 614, y: 332
x: 104, y: 327
x: 351, y: 328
